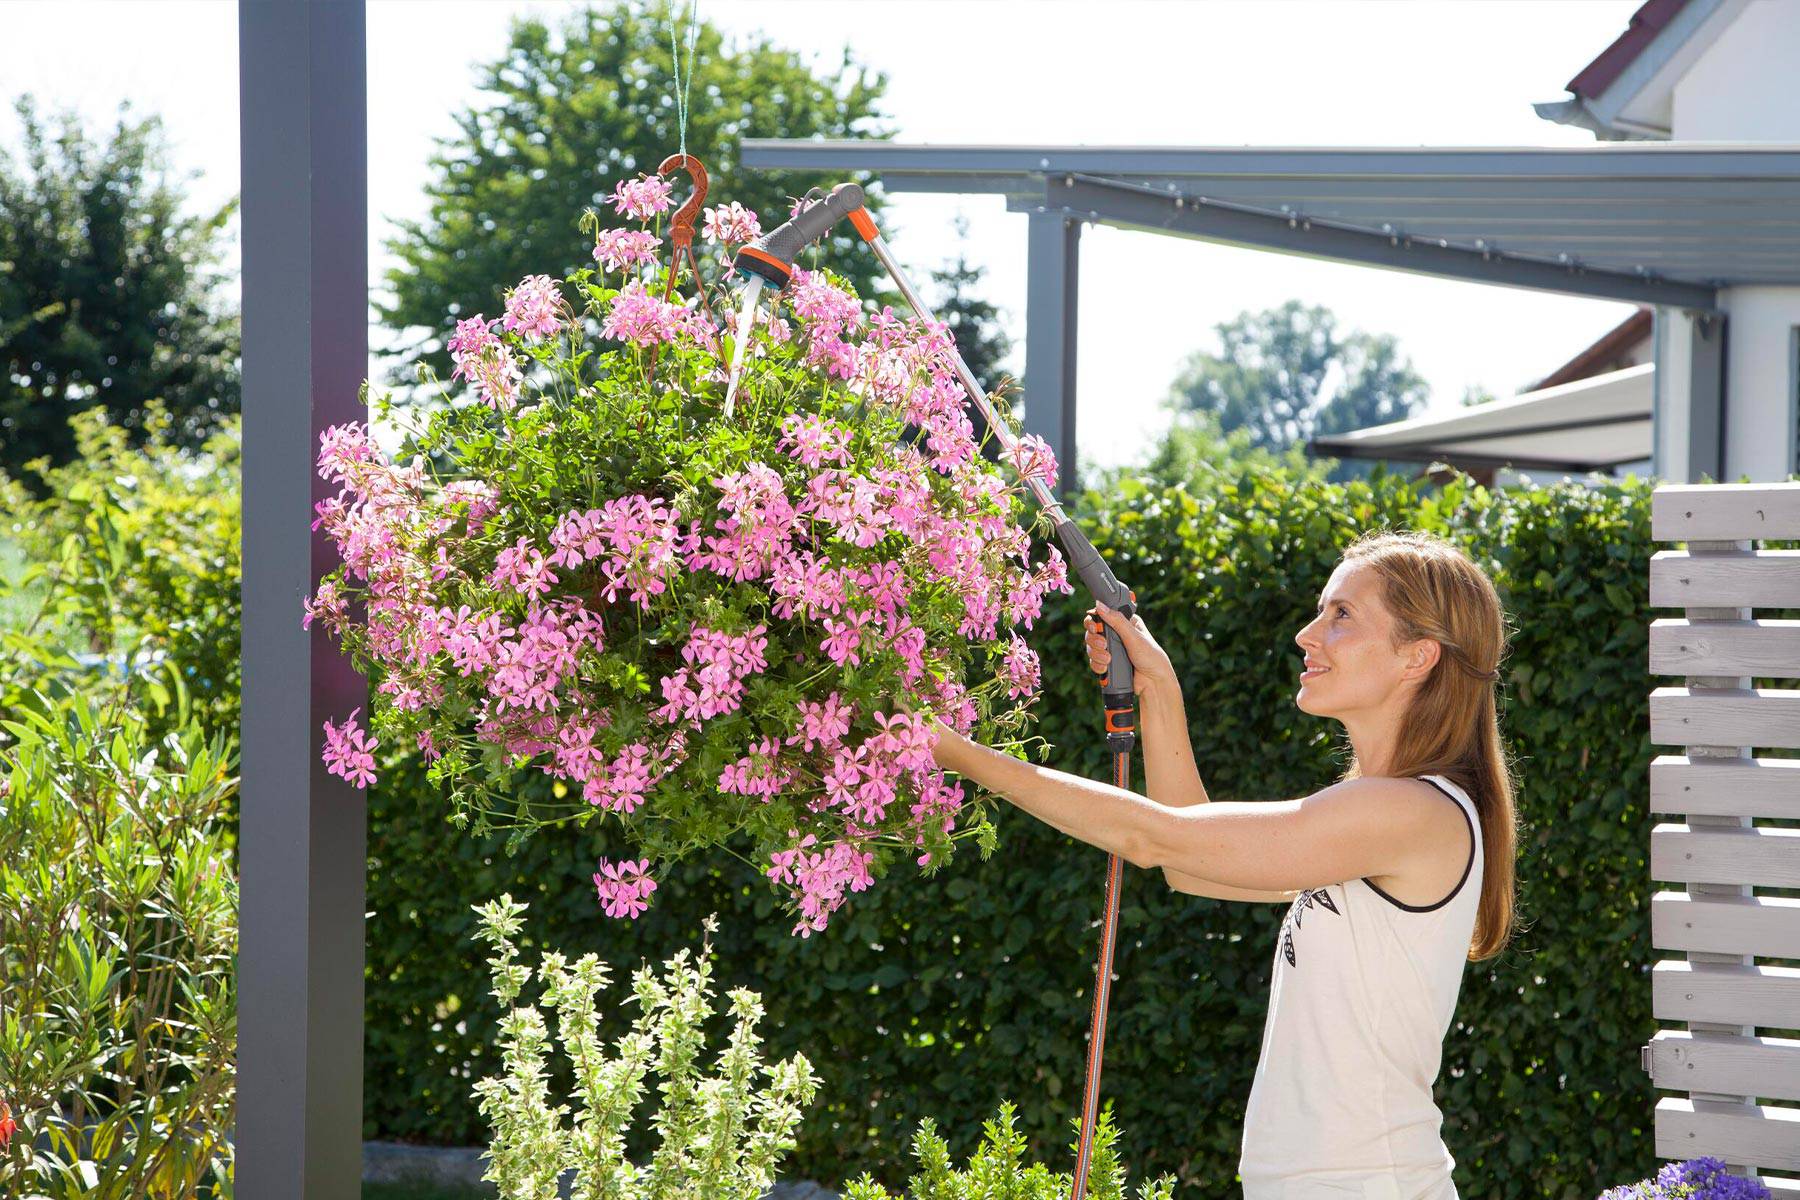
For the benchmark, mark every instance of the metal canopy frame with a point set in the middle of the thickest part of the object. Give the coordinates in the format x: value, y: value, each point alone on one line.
x: 1665, y: 224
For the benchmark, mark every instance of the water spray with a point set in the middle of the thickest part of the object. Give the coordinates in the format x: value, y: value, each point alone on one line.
x: 770, y: 259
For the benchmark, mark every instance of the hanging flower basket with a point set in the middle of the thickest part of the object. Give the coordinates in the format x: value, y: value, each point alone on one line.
x: 710, y: 633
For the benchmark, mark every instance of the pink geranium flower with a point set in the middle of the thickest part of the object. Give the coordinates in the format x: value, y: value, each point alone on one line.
x: 349, y: 752
x: 624, y: 887
x: 642, y: 198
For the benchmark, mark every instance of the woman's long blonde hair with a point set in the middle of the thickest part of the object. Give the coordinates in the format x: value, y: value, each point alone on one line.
x: 1452, y: 727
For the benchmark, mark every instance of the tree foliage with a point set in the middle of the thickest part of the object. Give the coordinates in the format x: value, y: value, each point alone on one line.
x: 973, y: 319
x: 975, y: 327
x: 108, y: 293
x: 569, y: 110
x: 1286, y: 374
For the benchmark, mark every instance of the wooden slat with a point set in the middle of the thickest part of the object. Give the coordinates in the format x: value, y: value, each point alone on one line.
x: 1782, y: 1187
x: 1726, y: 787
x: 1726, y: 993
x: 1761, y: 649
x: 1765, y: 925
x: 1734, y: 579
x: 1765, y: 1067
x: 1758, y: 857
x: 1720, y: 512
x: 1768, y: 717
x: 1762, y: 1136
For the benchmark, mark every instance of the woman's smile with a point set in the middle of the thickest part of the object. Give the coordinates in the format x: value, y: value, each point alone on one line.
x: 1312, y: 670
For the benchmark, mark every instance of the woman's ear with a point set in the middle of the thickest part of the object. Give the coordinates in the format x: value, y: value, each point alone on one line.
x: 1421, y: 657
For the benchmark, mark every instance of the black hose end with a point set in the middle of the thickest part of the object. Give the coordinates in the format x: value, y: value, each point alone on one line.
x: 754, y: 260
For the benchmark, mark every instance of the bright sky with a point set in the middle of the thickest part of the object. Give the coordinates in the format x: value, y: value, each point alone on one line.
x: 1228, y: 72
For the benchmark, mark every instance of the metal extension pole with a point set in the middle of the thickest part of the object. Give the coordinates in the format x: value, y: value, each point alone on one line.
x: 1119, y: 700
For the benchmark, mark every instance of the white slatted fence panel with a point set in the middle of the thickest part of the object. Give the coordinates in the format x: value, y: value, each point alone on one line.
x: 1725, y: 512
x: 1725, y: 787
x: 1761, y: 717
x: 1717, y: 790
x: 1761, y: 649
x: 1768, y: 1135
x: 1699, y: 854
x: 1766, y: 1067
x: 1726, y: 993
x: 1732, y: 579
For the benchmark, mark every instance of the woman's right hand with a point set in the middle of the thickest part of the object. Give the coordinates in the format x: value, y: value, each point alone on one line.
x: 1149, y: 663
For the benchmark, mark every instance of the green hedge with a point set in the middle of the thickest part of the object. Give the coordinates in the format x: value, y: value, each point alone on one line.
x: 940, y: 998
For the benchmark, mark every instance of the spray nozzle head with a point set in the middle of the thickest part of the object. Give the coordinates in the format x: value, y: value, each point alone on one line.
x: 772, y: 255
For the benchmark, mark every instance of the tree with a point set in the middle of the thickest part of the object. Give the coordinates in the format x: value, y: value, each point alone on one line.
x: 973, y: 321
x: 108, y: 294
x: 1286, y: 374
x: 575, y: 110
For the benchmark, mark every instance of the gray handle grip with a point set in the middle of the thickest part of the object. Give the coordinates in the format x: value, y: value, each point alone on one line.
x: 1105, y: 587
x: 787, y: 241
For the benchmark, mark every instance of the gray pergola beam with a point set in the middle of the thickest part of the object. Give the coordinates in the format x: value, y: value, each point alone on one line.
x: 1707, y: 334
x: 1623, y: 161
x: 1052, y: 296
x: 1131, y: 207
x: 1601, y: 194
x: 302, y: 837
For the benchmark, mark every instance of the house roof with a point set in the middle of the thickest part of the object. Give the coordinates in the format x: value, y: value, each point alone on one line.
x: 1605, y: 351
x: 1591, y: 424
x: 1627, y: 91
x: 1651, y: 18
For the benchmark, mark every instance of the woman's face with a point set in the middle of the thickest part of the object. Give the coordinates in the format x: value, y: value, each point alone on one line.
x: 1350, y: 661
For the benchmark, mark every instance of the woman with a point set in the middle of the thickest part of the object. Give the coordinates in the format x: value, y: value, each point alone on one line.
x: 1394, y: 876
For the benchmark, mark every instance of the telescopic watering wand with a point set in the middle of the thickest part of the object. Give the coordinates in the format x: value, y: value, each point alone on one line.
x: 770, y: 258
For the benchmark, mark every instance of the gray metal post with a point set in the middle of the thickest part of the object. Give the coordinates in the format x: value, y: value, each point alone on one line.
x: 302, y: 843
x: 1707, y: 397
x: 1051, y: 296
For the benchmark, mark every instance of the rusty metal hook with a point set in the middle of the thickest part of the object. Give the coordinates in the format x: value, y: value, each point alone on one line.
x: 681, y: 228
x: 681, y: 233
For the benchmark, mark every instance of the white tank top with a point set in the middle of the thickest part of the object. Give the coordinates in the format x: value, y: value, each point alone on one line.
x: 1363, y: 993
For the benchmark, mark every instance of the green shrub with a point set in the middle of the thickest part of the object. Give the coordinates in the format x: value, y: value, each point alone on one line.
x: 998, y: 1170
x: 133, y: 553
x: 720, y: 1136
x: 941, y: 1001
x: 118, y: 900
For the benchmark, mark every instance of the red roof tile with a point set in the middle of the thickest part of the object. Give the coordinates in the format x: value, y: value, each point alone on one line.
x: 1649, y: 20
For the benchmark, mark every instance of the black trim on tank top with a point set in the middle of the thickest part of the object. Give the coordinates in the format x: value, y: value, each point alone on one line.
x: 1467, y: 867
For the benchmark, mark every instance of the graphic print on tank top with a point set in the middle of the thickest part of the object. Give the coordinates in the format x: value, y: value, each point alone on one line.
x: 1296, y: 916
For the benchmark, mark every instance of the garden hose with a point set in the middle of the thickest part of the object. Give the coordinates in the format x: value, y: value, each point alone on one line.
x: 771, y: 258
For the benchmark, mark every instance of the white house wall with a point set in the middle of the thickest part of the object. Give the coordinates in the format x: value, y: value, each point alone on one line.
x: 1742, y: 89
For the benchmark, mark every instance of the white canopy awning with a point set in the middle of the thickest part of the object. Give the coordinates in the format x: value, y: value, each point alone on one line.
x: 1590, y: 424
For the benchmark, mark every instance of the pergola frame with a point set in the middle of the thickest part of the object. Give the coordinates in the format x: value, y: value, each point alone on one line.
x: 302, y: 843
x: 304, y: 127
x: 1662, y: 224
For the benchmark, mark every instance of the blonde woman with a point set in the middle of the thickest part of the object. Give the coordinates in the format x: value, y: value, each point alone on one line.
x: 1394, y: 876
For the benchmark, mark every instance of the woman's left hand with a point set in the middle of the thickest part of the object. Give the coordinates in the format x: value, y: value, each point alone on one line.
x: 950, y: 748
